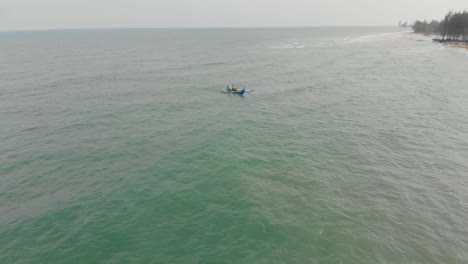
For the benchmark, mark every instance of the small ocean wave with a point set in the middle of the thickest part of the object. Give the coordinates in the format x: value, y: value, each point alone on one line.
x: 294, y: 45
x: 457, y: 49
x: 217, y: 63
x: 377, y: 36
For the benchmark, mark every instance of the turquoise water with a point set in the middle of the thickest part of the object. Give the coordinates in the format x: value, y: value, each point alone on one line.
x: 119, y: 146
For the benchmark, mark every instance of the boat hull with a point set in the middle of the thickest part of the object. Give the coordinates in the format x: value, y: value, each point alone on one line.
x: 241, y: 92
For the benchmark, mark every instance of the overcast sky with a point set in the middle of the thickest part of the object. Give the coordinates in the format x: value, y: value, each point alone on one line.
x: 57, y: 14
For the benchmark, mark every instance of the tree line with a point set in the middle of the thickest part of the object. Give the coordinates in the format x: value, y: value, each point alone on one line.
x: 453, y: 27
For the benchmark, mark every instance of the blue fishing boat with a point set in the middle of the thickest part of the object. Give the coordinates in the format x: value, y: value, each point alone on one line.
x: 235, y: 90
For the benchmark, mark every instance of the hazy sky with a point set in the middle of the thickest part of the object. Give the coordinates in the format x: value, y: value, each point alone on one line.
x: 47, y: 14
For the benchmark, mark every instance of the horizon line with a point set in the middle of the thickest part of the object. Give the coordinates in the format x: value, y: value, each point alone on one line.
x: 215, y: 27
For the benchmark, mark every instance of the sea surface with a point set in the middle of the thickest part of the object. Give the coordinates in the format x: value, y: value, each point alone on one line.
x: 122, y: 146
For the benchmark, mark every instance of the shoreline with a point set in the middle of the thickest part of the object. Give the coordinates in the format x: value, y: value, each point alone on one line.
x: 456, y: 43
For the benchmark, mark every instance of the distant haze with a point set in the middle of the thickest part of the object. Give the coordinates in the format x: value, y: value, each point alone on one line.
x: 60, y: 14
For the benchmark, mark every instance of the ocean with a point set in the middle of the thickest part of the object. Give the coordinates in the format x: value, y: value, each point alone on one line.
x: 122, y: 146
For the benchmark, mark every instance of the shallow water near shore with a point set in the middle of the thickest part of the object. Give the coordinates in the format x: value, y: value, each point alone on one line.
x: 120, y: 146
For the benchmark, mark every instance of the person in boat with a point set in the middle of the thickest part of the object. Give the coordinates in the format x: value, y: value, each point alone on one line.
x: 234, y: 89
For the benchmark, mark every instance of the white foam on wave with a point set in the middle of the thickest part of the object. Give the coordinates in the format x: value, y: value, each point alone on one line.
x: 294, y: 45
x: 455, y: 49
x: 377, y: 36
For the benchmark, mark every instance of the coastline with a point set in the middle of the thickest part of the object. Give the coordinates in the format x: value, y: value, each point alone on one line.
x: 452, y: 42
x: 455, y: 43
